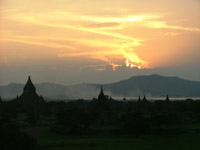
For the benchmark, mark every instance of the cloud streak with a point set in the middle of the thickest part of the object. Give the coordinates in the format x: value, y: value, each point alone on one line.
x: 107, y: 40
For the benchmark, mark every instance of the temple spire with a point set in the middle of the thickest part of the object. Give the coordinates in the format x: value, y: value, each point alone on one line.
x: 29, y: 95
x: 139, y: 99
x: 101, y: 92
x: 29, y: 87
x: 101, y: 97
x: 144, y: 99
x: 167, y: 98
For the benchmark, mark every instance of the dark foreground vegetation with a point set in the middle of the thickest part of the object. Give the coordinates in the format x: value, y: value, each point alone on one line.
x: 93, y: 125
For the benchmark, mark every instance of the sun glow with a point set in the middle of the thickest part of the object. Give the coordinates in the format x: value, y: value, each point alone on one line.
x: 116, y: 46
x: 133, y: 61
x: 107, y: 37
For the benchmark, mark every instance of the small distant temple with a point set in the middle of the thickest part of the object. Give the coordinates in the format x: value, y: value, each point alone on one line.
x: 29, y: 95
x: 167, y: 98
x: 102, y: 108
x: 139, y: 99
x: 102, y: 98
x: 144, y: 99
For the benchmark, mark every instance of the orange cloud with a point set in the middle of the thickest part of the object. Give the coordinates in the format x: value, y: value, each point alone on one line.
x: 117, y: 44
x: 106, y: 25
x: 162, y: 24
x: 109, y: 39
x: 102, y: 67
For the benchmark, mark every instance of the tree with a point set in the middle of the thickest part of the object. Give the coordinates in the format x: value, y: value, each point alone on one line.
x: 135, y: 123
x: 73, y: 120
x: 12, y: 138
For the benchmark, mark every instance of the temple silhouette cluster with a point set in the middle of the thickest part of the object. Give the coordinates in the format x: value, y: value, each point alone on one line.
x: 30, y: 96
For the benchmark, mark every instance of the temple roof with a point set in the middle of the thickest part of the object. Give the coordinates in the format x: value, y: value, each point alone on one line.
x: 144, y: 99
x: 167, y: 98
x: 101, y: 95
x: 101, y: 92
x: 139, y: 99
x: 29, y: 86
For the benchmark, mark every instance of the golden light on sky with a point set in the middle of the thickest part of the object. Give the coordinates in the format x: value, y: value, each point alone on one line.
x: 128, y: 33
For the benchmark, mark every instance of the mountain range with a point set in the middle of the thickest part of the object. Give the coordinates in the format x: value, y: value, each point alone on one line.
x: 149, y: 85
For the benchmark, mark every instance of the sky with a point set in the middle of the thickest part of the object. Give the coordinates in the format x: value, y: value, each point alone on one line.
x: 80, y: 41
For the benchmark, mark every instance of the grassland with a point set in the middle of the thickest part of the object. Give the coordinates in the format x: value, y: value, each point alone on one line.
x: 175, y: 142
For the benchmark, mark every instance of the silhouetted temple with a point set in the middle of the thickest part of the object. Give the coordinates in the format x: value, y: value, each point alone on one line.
x: 29, y: 95
x: 102, y: 98
x: 102, y: 110
x: 144, y: 99
x: 139, y: 99
x: 167, y: 99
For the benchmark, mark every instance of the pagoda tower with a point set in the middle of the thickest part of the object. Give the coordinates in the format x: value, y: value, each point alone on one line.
x: 102, y: 96
x: 167, y: 98
x: 139, y: 99
x: 29, y: 95
x: 144, y: 99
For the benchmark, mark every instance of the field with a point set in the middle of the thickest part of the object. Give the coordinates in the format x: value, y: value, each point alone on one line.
x: 188, y: 139
x: 177, y: 142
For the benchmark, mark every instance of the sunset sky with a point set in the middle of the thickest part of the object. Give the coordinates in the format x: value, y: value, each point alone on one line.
x: 70, y: 42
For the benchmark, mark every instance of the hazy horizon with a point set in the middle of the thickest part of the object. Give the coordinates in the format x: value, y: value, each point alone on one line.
x: 33, y: 80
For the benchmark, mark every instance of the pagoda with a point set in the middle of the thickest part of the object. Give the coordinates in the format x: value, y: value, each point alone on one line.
x: 102, y: 97
x: 167, y: 99
x: 144, y: 99
x: 29, y: 95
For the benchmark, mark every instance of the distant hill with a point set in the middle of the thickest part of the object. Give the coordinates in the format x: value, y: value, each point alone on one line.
x: 155, y: 85
x: 150, y: 85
